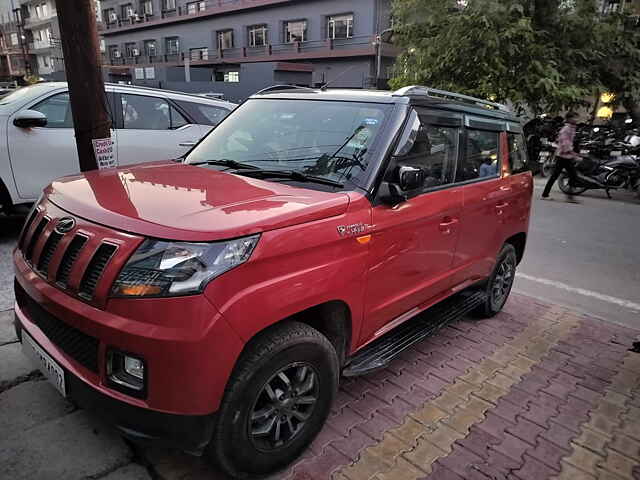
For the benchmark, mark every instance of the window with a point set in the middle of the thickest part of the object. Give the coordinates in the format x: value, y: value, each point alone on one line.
x: 14, y: 39
x: 38, y: 11
x: 172, y: 46
x: 150, y: 48
x: 130, y: 49
x: 127, y: 11
x: 103, y: 45
x: 169, y: 5
x: 57, y: 110
x: 199, y: 53
x: 45, y: 10
x: 232, y: 77
x: 225, y: 39
x: 147, y: 7
x: 295, y: 31
x: 149, y: 113
x: 482, y: 156
x: 258, y: 35
x: 114, y: 51
x: 110, y: 15
x: 195, y: 7
x: 204, y: 114
x: 340, y: 26
x: 435, y: 151
x: 517, y: 153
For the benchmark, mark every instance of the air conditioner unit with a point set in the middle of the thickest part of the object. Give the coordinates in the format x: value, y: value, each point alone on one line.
x: 135, y: 52
x: 117, y: 54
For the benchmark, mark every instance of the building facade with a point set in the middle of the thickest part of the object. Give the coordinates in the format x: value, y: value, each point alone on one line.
x: 236, y: 47
x: 40, y: 23
x: 12, y: 55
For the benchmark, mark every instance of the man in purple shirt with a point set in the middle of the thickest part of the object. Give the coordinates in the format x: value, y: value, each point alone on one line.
x: 565, y: 155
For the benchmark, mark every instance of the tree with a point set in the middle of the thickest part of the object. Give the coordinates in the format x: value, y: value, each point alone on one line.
x: 545, y: 55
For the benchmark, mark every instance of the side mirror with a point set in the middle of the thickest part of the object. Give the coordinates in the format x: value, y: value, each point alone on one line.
x: 30, y: 119
x: 410, y: 178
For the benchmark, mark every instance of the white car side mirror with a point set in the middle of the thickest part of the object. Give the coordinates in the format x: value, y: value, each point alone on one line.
x: 30, y: 119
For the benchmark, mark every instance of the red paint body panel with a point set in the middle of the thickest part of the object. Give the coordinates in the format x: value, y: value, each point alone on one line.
x: 183, y: 202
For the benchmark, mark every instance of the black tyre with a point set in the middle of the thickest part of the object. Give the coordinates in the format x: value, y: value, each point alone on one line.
x: 499, y: 284
x: 565, y: 187
x: 276, y: 402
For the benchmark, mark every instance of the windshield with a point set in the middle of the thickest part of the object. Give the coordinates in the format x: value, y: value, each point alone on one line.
x: 329, y: 139
x: 24, y: 92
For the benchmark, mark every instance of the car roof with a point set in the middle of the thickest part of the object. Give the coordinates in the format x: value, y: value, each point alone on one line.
x: 413, y: 95
x: 192, y: 97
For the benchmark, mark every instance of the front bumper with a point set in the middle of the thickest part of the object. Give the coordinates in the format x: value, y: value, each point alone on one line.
x: 190, y: 433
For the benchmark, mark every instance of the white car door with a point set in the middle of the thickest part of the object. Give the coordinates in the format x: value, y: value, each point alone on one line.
x: 41, y: 154
x: 153, y: 129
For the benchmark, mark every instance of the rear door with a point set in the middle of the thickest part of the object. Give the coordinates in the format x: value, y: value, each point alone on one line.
x: 39, y: 155
x: 488, y: 198
x: 413, y: 243
x: 152, y: 128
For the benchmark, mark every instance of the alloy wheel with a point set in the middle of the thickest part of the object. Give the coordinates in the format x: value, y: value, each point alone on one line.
x: 283, y: 407
x: 502, y: 282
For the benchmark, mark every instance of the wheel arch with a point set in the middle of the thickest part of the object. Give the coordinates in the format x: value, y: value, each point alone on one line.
x: 519, y: 242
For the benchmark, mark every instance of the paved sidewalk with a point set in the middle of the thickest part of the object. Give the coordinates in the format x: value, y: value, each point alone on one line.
x: 536, y: 393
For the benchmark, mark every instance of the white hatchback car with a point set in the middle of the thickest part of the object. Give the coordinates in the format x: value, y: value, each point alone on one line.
x: 148, y: 124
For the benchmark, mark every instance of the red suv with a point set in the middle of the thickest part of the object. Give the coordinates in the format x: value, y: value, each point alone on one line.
x: 213, y: 302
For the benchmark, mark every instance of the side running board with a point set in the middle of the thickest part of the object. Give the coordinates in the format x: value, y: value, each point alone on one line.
x: 381, y: 352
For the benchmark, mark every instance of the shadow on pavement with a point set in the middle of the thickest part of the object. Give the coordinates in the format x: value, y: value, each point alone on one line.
x: 10, y: 227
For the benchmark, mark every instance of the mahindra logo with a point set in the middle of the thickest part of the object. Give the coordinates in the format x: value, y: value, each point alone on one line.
x: 65, y: 225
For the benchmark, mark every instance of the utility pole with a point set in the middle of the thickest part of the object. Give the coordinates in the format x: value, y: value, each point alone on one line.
x: 79, y: 36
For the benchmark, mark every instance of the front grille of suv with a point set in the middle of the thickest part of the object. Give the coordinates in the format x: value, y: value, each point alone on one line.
x: 81, y: 347
x: 95, y: 258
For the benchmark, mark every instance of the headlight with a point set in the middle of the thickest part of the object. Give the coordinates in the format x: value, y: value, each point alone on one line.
x: 167, y: 269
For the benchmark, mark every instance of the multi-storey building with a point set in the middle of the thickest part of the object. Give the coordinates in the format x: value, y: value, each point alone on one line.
x: 39, y: 20
x: 12, y: 55
x: 238, y: 46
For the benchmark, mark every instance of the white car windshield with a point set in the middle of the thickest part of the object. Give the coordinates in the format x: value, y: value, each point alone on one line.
x: 24, y: 93
x: 328, y: 139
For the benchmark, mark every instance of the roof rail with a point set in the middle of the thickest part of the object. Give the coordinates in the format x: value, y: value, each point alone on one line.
x: 434, y: 93
x: 277, y: 88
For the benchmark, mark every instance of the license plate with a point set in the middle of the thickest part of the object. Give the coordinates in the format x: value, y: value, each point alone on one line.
x: 48, y: 366
x: 617, y: 153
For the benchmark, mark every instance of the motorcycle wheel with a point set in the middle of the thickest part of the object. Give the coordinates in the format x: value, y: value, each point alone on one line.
x: 547, y: 169
x: 563, y: 183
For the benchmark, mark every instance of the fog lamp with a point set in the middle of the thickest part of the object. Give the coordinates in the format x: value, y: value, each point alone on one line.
x: 126, y: 373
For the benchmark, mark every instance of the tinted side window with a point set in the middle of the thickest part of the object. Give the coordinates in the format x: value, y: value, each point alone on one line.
x: 145, y: 113
x: 481, y: 159
x: 177, y: 119
x: 517, y: 153
x: 205, y: 114
x: 57, y: 108
x: 435, y: 151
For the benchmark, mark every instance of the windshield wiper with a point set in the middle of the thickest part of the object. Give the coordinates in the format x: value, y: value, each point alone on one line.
x: 225, y: 162
x: 293, y: 175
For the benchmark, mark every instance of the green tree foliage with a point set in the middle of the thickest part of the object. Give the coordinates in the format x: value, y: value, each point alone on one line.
x: 544, y: 54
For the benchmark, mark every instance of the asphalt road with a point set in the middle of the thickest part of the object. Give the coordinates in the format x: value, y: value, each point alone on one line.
x: 585, y: 256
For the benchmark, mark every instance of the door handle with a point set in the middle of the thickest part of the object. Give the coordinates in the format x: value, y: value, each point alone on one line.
x: 502, y: 205
x: 187, y: 144
x: 446, y: 224
x: 504, y: 188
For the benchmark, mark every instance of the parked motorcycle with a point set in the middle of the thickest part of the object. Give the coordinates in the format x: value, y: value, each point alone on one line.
x: 547, y: 158
x: 593, y: 174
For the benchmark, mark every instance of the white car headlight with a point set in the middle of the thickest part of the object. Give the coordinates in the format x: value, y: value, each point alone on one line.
x: 166, y: 269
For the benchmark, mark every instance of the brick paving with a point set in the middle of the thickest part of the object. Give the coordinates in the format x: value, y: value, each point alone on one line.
x: 539, y: 392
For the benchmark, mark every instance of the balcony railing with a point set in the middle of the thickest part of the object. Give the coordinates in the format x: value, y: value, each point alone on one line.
x: 180, y: 14
x: 361, y: 45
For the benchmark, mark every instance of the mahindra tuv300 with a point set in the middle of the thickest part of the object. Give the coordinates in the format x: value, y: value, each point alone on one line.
x: 213, y: 302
